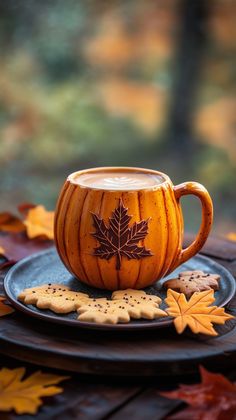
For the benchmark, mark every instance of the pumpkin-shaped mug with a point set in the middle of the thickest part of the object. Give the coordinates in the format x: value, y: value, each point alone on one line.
x: 118, y: 227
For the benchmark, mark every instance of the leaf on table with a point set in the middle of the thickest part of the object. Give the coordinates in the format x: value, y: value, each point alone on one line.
x: 11, y: 223
x: 213, y: 398
x: 231, y: 236
x: 23, y: 208
x: 5, y: 309
x: 39, y: 222
x: 24, y: 394
x: 119, y: 240
x: 195, y: 312
x: 17, y: 246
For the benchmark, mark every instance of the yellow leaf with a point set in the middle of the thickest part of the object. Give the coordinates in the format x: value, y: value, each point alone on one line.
x: 24, y: 395
x: 5, y: 309
x: 39, y: 222
x: 231, y: 236
x: 196, y: 312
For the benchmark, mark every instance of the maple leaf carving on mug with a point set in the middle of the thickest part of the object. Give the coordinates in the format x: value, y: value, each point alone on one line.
x: 119, y: 240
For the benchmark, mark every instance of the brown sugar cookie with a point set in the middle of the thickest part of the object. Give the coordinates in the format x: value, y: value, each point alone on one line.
x: 57, y: 297
x: 189, y: 282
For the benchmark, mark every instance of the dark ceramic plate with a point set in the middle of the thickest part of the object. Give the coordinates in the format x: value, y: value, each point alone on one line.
x: 46, y: 267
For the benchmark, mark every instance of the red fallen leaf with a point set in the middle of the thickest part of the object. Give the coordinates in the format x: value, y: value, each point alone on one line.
x: 17, y: 246
x: 212, y: 399
x: 6, y: 264
x: 23, y: 208
x: 10, y: 223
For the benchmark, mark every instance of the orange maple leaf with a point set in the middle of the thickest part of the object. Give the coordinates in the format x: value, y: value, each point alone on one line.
x: 39, y: 222
x: 195, y: 312
x: 5, y: 309
x: 23, y: 395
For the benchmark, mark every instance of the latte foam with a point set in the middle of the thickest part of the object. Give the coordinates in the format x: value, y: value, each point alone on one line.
x: 118, y: 180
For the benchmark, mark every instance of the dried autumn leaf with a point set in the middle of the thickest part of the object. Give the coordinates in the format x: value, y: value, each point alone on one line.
x: 24, y: 395
x: 16, y: 246
x: 195, y: 312
x: 231, y: 236
x: 2, y: 251
x: 213, y: 398
x: 10, y: 223
x: 23, y: 208
x: 39, y: 222
x: 5, y: 309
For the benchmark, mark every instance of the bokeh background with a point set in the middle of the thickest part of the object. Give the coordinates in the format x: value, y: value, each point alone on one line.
x: 139, y: 83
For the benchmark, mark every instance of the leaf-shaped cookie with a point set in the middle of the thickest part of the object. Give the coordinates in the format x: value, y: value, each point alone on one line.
x: 141, y: 305
x: 136, y: 295
x: 195, y: 312
x: 57, y: 297
x: 121, y: 310
x: 24, y: 395
x: 104, y: 311
x: 189, y: 282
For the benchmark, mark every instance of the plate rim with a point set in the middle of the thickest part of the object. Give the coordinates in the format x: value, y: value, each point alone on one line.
x: 58, y: 319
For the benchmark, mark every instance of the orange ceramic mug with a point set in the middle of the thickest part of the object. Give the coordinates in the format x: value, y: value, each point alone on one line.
x: 118, y: 227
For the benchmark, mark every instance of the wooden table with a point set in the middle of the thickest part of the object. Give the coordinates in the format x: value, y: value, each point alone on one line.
x: 89, y: 397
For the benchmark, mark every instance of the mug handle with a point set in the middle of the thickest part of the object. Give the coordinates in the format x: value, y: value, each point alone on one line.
x: 188, y: 188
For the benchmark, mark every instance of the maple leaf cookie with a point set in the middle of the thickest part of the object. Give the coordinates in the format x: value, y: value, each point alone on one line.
x: 104, y: 311
x: 136, y: 295
x: 57, y: 297
x: 120, y: 310
x: 141, y: 305
x: 189, y: 282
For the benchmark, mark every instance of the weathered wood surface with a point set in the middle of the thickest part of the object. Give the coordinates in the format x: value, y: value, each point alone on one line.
x: 90, y: 397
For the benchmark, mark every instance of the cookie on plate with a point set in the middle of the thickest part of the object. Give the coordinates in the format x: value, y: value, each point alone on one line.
x: 136, y: 296
x: 103, y: 311
x: 189, y: 282
x: 57, y: 297
x: 119, y: 310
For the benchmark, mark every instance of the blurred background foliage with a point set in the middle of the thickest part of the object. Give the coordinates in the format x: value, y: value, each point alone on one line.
x: 137, y: 83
